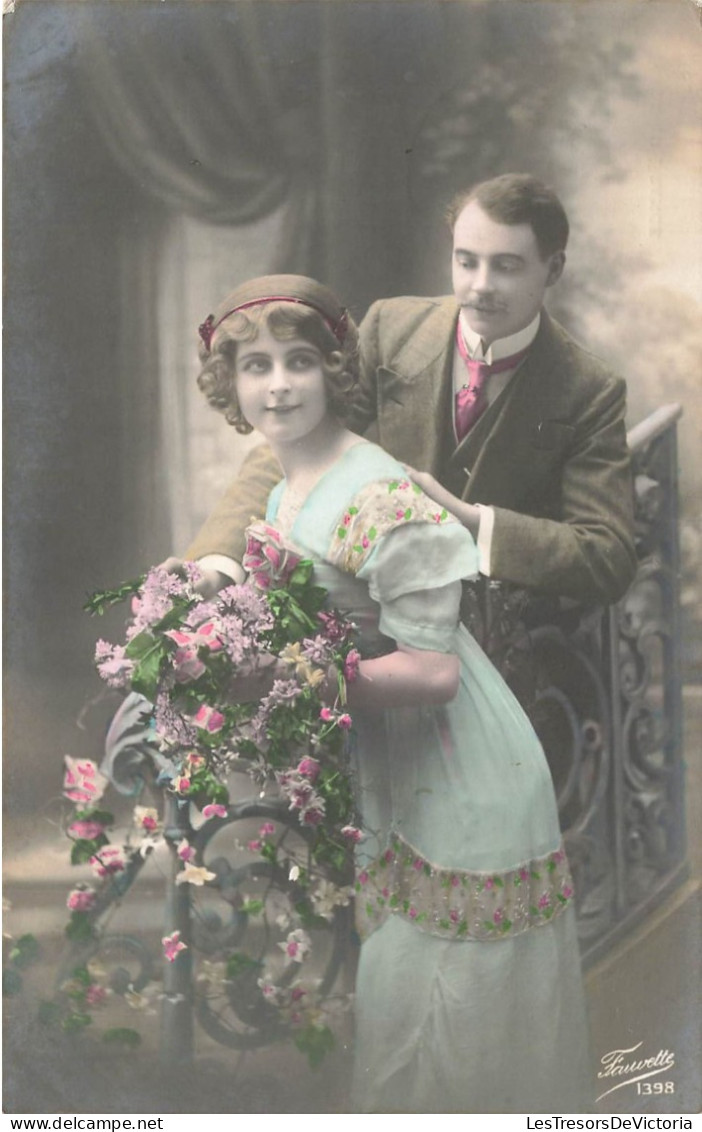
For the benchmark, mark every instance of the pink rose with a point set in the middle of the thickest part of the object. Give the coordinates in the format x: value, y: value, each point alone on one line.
x: 109, y: 860
x: 497, y: 916
x: 86, y: 830
x: 267, y: 559
x: 81, y: 899
x: 309, y: 768
x: 454, y: 915
x: 172, y: 945
x: 209, y: 719
x: 544, y: 901
x: 95, y: 995
x: 187, y: 665
x: 326, y: 714
x: 82, y: 781
x: 351, y: 664
x: 214, y: 810
x: 363, y: 877
x: 311, y: 817
x: 351, y: 833
x: 344, y: 721
x: 266, y: 829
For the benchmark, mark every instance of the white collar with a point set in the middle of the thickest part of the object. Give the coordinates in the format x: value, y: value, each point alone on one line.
x: 501, y: 347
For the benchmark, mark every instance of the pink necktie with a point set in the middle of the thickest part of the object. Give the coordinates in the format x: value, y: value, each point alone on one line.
x: 471, y: 399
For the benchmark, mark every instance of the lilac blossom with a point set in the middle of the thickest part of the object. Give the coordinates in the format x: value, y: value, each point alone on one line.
x: 112, y: 665
x: 317, y: 649
x: 170, y: 726
x: 156, y: 597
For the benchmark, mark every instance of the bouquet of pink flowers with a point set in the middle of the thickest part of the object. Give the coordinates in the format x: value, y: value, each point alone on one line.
x: 185, y: 654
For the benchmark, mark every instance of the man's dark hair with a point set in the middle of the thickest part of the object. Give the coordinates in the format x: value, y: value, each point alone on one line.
x: 519, y: 198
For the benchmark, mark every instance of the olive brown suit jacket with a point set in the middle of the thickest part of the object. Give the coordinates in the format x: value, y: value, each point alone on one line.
x: 549, y: 454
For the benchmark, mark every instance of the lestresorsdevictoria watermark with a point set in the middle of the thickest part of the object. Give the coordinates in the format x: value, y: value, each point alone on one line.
x: 610, y: 1123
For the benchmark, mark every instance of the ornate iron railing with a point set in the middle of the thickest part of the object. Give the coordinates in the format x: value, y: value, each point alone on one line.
x: 603, y: 688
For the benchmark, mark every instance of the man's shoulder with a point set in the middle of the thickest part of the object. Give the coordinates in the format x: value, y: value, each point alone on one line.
x: 393, y: 322
x: 403, y: 308
x: 574, y: 360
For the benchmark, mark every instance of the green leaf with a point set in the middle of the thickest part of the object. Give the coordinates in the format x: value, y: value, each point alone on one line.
x: 252, y: 907
x: 302, y: 573
x: 79, y: 928
x: 101, y: 600
x: 82, y: 850
x: 141, y: 645
x: 373, y: 533
x: 75, y: 1021
x: 25, y: 951
x: 146, y: 673
x: 341, y: 532
x: 104, y: 817
x: 122, y: 1036
x: 240, y: 962
x: 315, y: 1042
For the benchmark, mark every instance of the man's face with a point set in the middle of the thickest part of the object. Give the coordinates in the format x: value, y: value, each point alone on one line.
x: 499, y: 277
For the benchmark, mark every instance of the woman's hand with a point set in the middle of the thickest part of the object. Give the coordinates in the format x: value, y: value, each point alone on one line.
x: 210, y: 583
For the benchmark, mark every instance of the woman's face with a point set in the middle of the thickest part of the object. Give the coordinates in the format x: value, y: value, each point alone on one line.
x: 281, y: 387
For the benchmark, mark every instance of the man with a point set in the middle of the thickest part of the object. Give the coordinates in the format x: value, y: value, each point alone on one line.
x: 502, y: 416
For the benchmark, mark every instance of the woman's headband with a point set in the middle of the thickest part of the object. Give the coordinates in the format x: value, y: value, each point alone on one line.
x: 300, y: 290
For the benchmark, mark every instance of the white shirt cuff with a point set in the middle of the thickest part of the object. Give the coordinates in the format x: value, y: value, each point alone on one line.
x: 224, y: 565
x: 486, y: 524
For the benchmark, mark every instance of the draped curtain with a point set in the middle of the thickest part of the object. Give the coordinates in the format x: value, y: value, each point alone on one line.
x: 230, y: 113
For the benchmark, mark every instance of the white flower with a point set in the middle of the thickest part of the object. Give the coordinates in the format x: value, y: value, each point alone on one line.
x: 297, y: 945
x: 294, y: 873
x: 147, y: 844
x: 327, y: 896
x: 195, y: 874
x: 142, y: 1000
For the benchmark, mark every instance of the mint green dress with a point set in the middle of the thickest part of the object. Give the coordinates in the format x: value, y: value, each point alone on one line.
x: 469, y: 996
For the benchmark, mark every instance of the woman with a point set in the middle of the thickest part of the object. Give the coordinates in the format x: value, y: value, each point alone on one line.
x: 468, y: 994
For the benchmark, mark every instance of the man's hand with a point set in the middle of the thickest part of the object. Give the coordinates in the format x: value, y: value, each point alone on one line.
x: 210, y: 583
x: 467, y: 513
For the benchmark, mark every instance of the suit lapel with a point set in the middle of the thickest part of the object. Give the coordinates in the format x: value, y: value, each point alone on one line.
x: 417, y: 385
x: 508, y: 434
